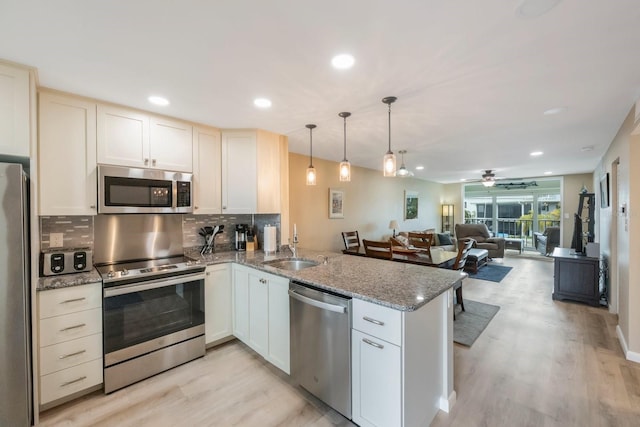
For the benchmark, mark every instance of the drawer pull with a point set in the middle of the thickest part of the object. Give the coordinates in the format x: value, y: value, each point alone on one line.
x: 73, y: 300
x: 374, y: 321
x: 64, y: 356
x: 73, y: 381
x: 73, y: 327
x: 374, y: 344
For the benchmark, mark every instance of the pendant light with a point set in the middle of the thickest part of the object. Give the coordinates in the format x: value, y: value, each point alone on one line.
x: 311, y: 171
x: 389, y: 162
x: 345, y: 166
x: 402, y: 171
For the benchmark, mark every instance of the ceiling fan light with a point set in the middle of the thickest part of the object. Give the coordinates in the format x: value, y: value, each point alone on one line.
x: 488, y: 183
x: 402, y: 171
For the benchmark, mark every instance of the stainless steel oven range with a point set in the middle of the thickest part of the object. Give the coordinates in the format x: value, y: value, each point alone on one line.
x: 153, y: 314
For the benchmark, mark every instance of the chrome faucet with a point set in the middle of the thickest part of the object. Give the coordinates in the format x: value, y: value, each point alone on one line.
x: 292, y: 247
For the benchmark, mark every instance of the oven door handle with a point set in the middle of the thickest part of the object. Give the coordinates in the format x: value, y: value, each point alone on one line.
x: 129, y: 289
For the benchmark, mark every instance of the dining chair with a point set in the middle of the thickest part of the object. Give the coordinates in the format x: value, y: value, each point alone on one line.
x: 463, y: 251
x: 377, y: 249
x: 422, y: 240
x: 351, y: 240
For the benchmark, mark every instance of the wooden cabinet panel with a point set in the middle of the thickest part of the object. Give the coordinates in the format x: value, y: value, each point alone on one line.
x: 258, y: 313
x: 241, y: 303
x: 70, y: 353
x: 279, y: 336
x: 68, y: 381
x: 269, y: 174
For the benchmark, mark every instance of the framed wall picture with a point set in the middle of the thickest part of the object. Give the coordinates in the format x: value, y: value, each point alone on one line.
x: 604, y: 191
x: 410, y: 204
x: 336, y: 203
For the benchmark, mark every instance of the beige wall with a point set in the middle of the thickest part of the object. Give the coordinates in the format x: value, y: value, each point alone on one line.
x: 371, y: 201
x: 616, y: 229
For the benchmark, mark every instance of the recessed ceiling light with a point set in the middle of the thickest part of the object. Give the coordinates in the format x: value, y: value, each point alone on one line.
x: 262, y: 102
x: 158, y: 100
x: 587, y: 148
x: 535, y: 8
x: 556, y: 110
x: 419, y: 168
x: 548, y: 173
x: 343, y: 61
x: 536, y: 153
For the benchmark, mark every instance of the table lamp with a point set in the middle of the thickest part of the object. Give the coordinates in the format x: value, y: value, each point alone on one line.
x: 393, y: 224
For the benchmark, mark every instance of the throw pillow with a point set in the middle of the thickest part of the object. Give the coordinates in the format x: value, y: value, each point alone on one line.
x: 444, y: 239
x: 402, y: 239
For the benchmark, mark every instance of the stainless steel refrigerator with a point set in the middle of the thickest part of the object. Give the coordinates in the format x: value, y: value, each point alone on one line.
x: 15, y: 319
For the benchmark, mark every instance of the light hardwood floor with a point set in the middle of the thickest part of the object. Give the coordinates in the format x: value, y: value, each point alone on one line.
x: 539, y: 363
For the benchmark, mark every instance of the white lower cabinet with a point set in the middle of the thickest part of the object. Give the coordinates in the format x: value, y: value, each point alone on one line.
x: 70, y: 341
x: 218, y: 310
x: 402, y: 361
x: 261, y: 314
x: 377, y: 385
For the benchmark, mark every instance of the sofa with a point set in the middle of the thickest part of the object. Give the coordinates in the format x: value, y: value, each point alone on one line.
x: 480, y: 233
x: 547, y: 241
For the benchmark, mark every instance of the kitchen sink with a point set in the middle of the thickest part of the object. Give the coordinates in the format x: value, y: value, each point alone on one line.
x: 293, y: 264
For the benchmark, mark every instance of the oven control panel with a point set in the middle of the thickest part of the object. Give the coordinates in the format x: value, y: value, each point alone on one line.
x: 66, y: 261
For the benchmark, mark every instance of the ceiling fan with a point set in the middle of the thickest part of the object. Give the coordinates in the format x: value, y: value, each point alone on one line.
x: 488, y: 178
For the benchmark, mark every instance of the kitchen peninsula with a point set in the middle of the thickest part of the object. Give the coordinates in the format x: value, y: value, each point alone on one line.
x: 411, y: 383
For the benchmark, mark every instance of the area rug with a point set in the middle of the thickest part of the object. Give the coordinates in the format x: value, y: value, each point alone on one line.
x: 470, y: 323
x: 491, y: 272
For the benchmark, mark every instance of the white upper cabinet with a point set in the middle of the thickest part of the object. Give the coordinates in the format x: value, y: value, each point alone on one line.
x: 207, y: 173
x: 252, y: 172
x: 171, y: 145
x: 123, y: 137
x: 131, y: 138
x: 239, y: 174
x: 14, y: 111
x: 67, y: 155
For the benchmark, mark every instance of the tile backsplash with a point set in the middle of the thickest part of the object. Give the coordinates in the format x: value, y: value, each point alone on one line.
x: 78, y: 231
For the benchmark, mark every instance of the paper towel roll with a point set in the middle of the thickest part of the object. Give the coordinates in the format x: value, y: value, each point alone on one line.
x: 270, y: 238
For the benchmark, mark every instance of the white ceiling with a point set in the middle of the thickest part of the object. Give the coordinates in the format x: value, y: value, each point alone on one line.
x: 472, y: 78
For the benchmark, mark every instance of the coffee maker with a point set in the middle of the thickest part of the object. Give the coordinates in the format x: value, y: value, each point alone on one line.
x: 241, y: 237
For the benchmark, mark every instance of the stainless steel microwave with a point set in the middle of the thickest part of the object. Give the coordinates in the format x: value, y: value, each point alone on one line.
x: 133, y: 190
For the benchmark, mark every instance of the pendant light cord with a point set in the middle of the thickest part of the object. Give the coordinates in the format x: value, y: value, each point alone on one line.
x: 345, y: 139
x: 310, y: 146
x: 389, y: 127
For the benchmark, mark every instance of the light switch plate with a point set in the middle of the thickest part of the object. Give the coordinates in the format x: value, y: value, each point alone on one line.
x: 56, y: 240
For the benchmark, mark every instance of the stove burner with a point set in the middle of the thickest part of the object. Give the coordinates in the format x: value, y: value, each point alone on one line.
x: 145, y: 269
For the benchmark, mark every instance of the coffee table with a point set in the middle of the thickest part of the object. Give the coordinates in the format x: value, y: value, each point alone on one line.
x: 515, y: 244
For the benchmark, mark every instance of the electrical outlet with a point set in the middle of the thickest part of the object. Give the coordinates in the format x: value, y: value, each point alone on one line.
x: 56, y: 240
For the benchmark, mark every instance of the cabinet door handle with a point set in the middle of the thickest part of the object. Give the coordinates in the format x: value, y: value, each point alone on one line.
x: 73, y: 327
x: 146, y: 161
x: 72, y: 300
x: 196, y: 207
x: 371, y: 343
x: 374, y: 321
x: 207, y: 274
x: 92, y: 206
x: 64, y: 356
x: 224, y: 207
x: 73, y: 381
x: 153, y: 162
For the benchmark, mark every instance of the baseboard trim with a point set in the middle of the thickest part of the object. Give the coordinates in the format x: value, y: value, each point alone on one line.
x: 629, y: 355
x: 447, y: 404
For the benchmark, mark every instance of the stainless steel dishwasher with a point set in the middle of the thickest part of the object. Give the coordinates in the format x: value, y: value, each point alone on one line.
x: 321, y: 345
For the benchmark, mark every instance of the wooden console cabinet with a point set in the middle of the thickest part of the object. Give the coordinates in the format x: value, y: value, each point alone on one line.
x: 576, y: 277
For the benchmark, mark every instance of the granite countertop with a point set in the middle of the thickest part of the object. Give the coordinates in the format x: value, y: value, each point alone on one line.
x: 66, y: 280
x: 397, y: 285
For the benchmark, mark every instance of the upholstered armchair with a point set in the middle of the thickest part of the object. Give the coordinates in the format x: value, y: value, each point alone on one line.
x: 480, y: 233
x: 547, y: 241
